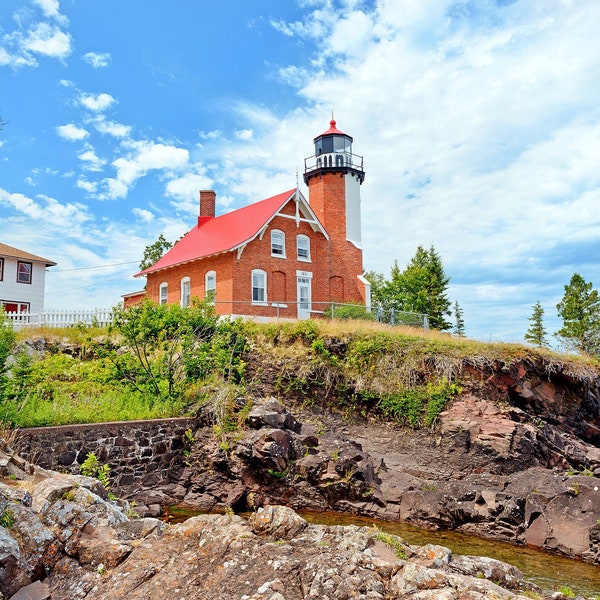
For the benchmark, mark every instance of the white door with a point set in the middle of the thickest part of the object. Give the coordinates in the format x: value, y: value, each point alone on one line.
x: 304, y: 297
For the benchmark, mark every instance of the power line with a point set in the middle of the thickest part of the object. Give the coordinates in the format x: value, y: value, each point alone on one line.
x: 82, y: 287
x: 131, y: 262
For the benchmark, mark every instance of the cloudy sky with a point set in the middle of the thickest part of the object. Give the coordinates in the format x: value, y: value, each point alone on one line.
x: 479, y: 123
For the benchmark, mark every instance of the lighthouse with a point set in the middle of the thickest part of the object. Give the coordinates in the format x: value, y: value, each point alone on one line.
x: 334, y: 175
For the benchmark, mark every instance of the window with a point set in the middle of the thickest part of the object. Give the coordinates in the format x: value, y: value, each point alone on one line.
x: 210, y: 286
x: 303, y: 247
x: 163, y: 293
x: 277, y: 243
x: 24, y: 270
x: 185, y: 291
x: 1, y: 269
x: 259, y: 286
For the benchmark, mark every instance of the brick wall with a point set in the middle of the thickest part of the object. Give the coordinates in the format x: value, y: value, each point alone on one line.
x: 334, y: 259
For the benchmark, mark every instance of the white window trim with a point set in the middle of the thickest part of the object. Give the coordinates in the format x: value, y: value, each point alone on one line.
x: 275, y: 232
x: 163, y: 286
x: 182, y: 299
x: 263, y: 302
x: 303, y: 258
x: 208, y: 275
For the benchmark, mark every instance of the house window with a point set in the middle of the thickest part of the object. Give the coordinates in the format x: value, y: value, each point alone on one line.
x: 24, y: 270
x: 1, y: 269
x: 259, y: 286
x: 303, y: 247
x: 163, y: 293
x: 277, y: 243
x: 185, y: 291
x: 210, y: 286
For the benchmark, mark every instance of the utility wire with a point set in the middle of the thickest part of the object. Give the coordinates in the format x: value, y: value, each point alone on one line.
x: 89, y: 268
x: 89, y: 285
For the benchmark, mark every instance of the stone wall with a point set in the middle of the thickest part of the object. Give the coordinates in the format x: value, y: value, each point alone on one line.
x: 140, y: 453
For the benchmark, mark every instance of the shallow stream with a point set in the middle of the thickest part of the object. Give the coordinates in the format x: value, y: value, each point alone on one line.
x: 548, y: 571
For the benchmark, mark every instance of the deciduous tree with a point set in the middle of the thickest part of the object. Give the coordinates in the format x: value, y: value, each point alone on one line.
x: 153, y: 252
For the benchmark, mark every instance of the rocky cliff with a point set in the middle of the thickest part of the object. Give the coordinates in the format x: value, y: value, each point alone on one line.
x: 514, y: 457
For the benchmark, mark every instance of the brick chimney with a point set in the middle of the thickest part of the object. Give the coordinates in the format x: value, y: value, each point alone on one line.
x: 208, y: 200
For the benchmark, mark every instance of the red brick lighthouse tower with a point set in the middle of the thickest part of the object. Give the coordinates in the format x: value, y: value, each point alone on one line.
x: 334, y: 176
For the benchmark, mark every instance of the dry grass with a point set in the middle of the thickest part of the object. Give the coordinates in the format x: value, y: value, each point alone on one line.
x: 9, y: 438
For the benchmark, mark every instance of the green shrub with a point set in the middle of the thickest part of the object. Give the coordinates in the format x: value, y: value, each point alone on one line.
x: 349, y: 311
x: 420, y: 405
x: 7, y: 518
x: 91, y: 467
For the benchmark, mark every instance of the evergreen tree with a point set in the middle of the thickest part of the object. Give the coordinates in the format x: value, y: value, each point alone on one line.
x: 580, y: 312
x: 459, y: 322
x: 153, y: 252
x: 420, y: 288
x: 425, y: 285
x: 537, y: 334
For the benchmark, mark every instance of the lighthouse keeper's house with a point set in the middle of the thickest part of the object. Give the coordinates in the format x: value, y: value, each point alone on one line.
x: 285, y: 256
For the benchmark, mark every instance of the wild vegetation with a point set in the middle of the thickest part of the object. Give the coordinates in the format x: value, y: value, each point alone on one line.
x: 162, y: 361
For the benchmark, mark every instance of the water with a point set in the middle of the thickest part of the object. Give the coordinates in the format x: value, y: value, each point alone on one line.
x: 546, y: 570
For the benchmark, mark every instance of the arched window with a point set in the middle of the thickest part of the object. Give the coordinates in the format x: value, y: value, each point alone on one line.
x: 259, y: 286
x: 163, y: 293
x: 185, y: 291
x: 210, y: 286
x: 303, y: 247
x: 278, y: 243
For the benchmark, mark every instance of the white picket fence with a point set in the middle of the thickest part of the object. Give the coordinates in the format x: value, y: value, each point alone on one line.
x: 61, y: 318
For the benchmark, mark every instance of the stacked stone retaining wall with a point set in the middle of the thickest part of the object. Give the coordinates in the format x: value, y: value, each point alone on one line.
x: 140, y: 454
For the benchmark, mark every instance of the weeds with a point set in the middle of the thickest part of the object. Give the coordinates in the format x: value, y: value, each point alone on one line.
x: 7, y: 518
x: 393, y: 542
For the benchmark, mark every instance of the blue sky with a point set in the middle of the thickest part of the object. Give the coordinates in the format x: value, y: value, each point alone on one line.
x: 478, y: 121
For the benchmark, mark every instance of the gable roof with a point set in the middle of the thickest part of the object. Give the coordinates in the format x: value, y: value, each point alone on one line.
x: 230, y: 231
x: 10, y: 251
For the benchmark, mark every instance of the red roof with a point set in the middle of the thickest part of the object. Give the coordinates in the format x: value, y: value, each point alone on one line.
x: 221, y: 234
x: 333, y: 130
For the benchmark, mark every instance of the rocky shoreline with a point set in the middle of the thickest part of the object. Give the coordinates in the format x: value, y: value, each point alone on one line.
x: 67, y: 541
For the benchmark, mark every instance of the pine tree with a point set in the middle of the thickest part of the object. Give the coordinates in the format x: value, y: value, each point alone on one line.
x: 459, y: 322
x: 420, y: 288
x: 425, y: 285
x: 580, y: 312
x: 537, y: 334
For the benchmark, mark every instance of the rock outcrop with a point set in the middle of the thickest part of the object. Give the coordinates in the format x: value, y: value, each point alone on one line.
x: 464, y: 477
x: 62, y: 539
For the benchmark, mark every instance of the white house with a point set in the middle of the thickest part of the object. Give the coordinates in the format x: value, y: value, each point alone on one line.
x: 22, y: 280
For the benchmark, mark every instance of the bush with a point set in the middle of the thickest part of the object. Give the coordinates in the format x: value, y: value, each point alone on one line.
x: 419, y: 406
x: 349, y: 311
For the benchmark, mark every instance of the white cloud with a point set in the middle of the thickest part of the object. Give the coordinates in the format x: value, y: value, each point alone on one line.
x: 97, y: 102
x: 244, y: 134
x: 51, y: 9
x: 143, y: 215
x: 47, y: 210
x: 89, y: 186
x: 185, y: 190
x: 91, y: 160
x: 71, y: 132
x: 144, y: 156
x: 97, y: 59
x: 48, y: 41
x: 116, y: 130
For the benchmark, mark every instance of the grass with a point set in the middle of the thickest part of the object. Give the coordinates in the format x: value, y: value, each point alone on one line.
x: 358, y: 367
